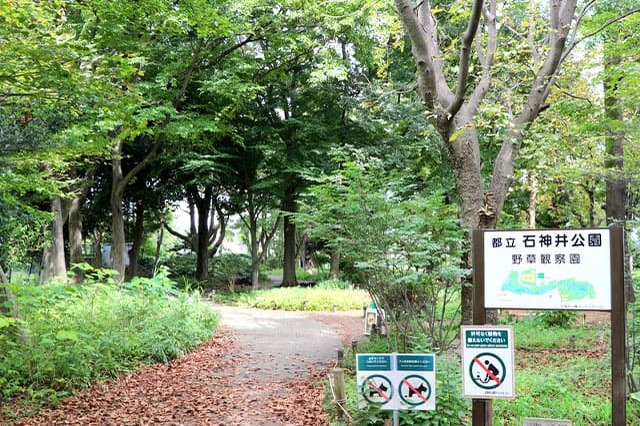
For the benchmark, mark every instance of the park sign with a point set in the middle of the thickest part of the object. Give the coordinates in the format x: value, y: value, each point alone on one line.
x: 487, y: 362
x: 397, y: 381
x: 548, y: 269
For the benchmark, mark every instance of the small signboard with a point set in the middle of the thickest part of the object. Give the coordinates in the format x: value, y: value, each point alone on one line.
x: 487, y: 362
x: 548, y: 269
x: 397, y: 381
x: 544, y: 422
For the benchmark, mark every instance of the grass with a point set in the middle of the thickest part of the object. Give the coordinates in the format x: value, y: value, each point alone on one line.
x: 553, y: 380
x: 320, y: 298
x: 69, y: 336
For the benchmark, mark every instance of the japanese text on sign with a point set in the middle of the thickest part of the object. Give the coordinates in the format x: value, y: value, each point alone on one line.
x: 547, y: 269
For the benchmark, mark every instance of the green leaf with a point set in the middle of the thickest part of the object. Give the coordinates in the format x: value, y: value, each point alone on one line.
x: 455, y: 135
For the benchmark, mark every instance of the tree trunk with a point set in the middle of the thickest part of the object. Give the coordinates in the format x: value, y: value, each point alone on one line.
x: 289, y: 258
x: 138, y: 235
x: 54, y: 264
x: 156, y: 258
x: 616, y: 184
x: 334, y: 264
x: 5, y: 295
x: 117, y: 256
x: 96, y: 243
x: 254, y: 247
x: 75, y: 238
x: 452, y: 113
x: 202, y: 249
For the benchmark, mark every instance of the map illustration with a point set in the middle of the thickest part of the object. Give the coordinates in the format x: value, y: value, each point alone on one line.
x: 529, y: 282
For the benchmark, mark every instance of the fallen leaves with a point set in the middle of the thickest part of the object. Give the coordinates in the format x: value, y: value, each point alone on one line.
x: 209, y: 386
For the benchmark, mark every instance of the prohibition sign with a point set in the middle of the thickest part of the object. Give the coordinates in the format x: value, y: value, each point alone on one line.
x: 415, y: 390
x: 487, y: 370
x: 377, y: 389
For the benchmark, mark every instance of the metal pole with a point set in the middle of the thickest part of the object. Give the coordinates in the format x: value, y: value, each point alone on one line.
x: 396, y: 418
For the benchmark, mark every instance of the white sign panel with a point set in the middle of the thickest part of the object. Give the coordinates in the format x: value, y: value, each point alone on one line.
x: 487, y: 362
x: 548, y: 269
x: 397, y: 381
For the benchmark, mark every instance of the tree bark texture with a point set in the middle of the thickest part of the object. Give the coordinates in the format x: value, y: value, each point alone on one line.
x: 289, y: 258
x: 53, y: 259
x: 138, y: 236
x: 118, y: 185
x: 334, y: 264
x: 75, y: 238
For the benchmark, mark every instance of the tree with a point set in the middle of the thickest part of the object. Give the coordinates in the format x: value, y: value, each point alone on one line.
x: 453, y: 104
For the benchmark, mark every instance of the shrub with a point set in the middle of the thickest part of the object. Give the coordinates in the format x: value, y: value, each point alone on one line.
x: 79, y: 334
x: 560, y: 319
x: 228, y: 268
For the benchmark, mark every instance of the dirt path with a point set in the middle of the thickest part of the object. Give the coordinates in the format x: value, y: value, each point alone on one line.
x: 263, y: 369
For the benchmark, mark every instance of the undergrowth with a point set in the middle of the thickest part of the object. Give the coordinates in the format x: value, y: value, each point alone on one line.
x: 329, y: 296
x: 68, y: 336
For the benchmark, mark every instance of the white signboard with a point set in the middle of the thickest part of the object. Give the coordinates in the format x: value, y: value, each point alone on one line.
x: 548, y: 269
x: 397, y: 381
x: 487, y: 362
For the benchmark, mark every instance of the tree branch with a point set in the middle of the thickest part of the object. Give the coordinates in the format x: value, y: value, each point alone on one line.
x: 421, y: 28
x: 608, y: 23
x: 465, y: 55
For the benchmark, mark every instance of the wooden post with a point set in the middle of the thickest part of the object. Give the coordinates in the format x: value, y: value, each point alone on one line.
x: 618, y: 330
x: 339, y: 393
x: 340, y: 358
x: 481, y: 409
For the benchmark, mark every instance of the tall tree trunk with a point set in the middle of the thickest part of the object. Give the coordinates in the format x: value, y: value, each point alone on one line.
x: 156, y: 258
x: 452, y: 110
x: 138, y: 235
x: 5, y: 295
x: 202, y: 249
x: 254, y: 249
x: 334, y: 264
x: 118, y: 184
x: 54, y: 264
x: 289, y: 259
x: 616, y: 184
x: 96, y: 244
x: 75, y: 238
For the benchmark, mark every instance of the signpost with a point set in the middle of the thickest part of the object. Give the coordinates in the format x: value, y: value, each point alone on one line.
x: 580, y: 269
x: 547, y: 269
x: 397, y: 381
x: 487, y: 362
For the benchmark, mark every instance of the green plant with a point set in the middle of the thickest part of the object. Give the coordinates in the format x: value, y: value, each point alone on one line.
x: 334, y: 285
x: 309, y: 299
x: 561, y: 319
x: 71, y: 335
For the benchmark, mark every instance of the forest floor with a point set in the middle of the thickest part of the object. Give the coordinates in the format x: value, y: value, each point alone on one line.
x: 264, y: 368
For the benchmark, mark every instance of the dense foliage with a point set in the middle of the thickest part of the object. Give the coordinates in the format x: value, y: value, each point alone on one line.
x: 69, y: 336
x: 305, y: 123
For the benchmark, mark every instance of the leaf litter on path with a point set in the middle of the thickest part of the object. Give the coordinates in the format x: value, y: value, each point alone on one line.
x: 217, y: 384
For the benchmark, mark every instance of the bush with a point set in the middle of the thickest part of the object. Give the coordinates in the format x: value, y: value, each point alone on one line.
x: 334, y: 285
x: 74, y: 335
x: 181, y: 265
x: 228, y: 268
x: 560, y: 319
